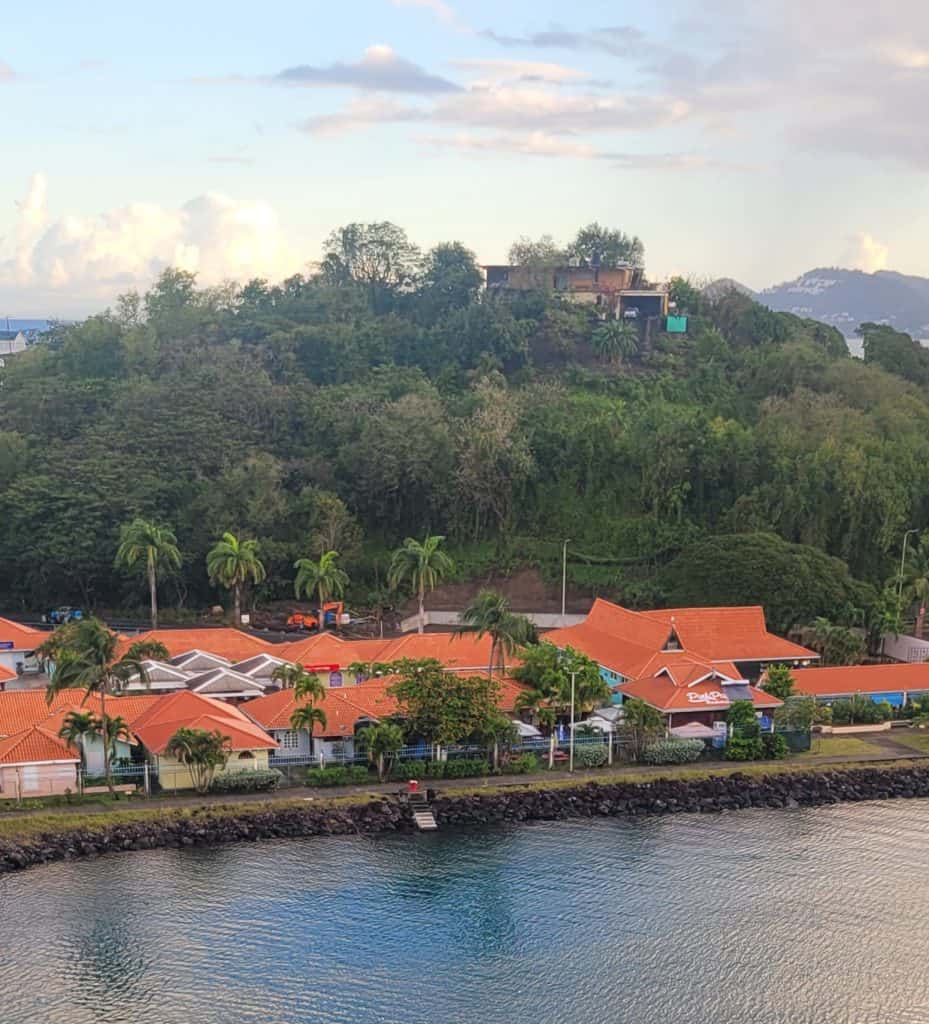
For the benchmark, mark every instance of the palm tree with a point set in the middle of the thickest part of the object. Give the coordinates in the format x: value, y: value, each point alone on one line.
x: 489, y: 614
x: 111, y: 730
x: 296, y: 678
x: 76, y: 727
x: 84, y: 654
x: 232, y: 564
x: 424, y: 565
x: 615, y: 340
x: 306, y: 717
x: 323, y: 578
x: 153, y: 545
x: 381, y: 741
x: 201, y: 751
x: 916, y: 582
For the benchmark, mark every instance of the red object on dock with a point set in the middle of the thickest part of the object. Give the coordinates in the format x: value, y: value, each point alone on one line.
x: 413, y: 786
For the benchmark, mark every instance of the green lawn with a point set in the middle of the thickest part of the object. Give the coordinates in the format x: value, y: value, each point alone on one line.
x: 846, y: 746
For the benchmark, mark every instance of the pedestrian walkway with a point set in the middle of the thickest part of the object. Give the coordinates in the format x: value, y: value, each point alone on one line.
x: 891, y: 752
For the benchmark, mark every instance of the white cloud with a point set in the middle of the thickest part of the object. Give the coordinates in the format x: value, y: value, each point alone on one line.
x: 522, y: 71
x: 380, y: 69
x: 438, y: 7
x: 865, y: 252
x: 76, y: 264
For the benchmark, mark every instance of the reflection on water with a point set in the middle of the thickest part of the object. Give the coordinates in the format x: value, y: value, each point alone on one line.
x: 786, y: 916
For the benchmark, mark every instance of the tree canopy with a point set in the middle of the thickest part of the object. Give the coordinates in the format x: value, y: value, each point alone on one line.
x: 385, y: 395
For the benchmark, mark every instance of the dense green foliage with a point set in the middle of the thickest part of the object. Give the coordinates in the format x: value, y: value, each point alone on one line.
x: 674, y: 751
x: 257, y: 781
x: 387, y: 397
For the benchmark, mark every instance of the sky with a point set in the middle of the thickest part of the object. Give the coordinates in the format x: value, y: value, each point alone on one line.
x: 746, y: 140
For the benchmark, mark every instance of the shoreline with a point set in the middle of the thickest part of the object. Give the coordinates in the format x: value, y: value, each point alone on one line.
x: 40, y: 840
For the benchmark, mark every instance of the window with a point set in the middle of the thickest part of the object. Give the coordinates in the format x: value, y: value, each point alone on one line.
x: 246, y: 755
x: 289, y: 740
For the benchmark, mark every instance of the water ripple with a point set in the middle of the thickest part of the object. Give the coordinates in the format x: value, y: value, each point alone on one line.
x: 771, y: 917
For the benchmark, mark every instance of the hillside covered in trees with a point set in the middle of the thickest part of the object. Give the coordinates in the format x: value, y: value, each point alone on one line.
x: 386, y: 396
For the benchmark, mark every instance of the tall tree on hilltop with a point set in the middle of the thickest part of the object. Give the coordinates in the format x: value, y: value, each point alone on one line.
x: 154, y: 547
x: 423, y: 565
x: 85, y: 657
x: 233, y: 564
x: 610, y: 245
x: 378, y: 257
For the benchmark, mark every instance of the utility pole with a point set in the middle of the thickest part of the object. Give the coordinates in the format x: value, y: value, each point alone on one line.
x: 571, y: 744
x: 906, y: 537
x: 564, y: 578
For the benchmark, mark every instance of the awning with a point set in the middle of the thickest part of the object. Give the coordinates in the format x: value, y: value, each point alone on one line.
x: 526, y: 731
x: 692, y: 731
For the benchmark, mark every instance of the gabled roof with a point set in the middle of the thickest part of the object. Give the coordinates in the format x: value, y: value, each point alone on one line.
x: 194, y: 711
x: 710, y: 695
x: 328, y: 649
x: 634, y: 643
x: 733, y: 634
x: 23, y: 709
x: 231, y: 644
x: 160, y: 675
x: 225, y: 681
x: 456, y: 652
x: 261, y: 666
x: 23, y: 638
x: 199, y: 661
x: 343, y: 708
x: 35, y: 745
x: 6, y: 675
x: 851, y: 679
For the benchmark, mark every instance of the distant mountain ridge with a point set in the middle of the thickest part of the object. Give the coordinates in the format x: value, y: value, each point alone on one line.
x: 847, y: 298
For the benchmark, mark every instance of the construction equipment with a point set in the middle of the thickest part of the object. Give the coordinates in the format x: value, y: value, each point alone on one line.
x: 301, y: 621
x: 59, y: 616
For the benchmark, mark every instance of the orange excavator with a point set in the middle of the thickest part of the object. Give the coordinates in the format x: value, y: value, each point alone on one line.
x: 331, y: 616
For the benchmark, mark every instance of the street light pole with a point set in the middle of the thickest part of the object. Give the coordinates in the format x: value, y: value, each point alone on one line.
x: 906, y: 537
x: 571, y: 743
x: 564, y: 577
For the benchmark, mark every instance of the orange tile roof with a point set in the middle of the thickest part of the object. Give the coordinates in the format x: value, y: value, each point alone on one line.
x: 344, y: 706
x: 329, y: 649
x: 733, y: 634
x: 232, y: 644
x: 631, y: 643
x: 662, y: 693
x: 6, y: 674
x: 847, y: 680
x: 184, y: 709
x: 23, y: 709
x: 24, y: 638
x: 35, y: 744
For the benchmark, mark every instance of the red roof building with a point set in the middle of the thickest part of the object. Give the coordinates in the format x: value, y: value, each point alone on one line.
x: 689, y: 663
x: 894, y: 683
x: 231, y: 644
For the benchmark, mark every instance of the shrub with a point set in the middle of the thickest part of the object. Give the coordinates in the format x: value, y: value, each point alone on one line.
x: 590, y: 755
x: 344, y: 775
x: 674, y: 751
x: 247, y: 782
x: 742, y: 748
x: 860, y: 710
x: 522, y: 765
x: 462, y: 768
x: 775, y: 746
x: 405, y: 770
x: 822, y: 715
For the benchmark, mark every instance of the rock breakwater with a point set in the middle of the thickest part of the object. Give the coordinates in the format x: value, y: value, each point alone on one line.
x: 713, y: 794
